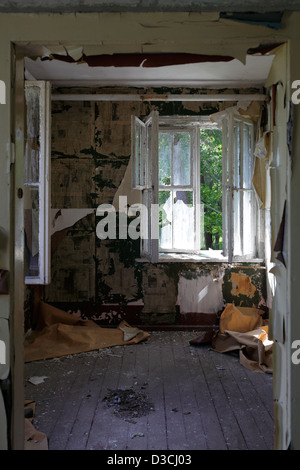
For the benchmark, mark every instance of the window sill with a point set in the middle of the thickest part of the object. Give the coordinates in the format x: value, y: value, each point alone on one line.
x: 204, y: 256
x: 209, y: 256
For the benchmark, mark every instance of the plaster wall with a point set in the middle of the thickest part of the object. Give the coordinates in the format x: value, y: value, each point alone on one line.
x: 276, y: 270
x: 293, y: 224
x: 91, y: 146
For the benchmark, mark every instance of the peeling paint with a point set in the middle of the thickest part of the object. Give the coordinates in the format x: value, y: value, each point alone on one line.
x: 201, y: 293
x: 245, y: 286
x: 98, y: 173
x: 65, y: 218
x: 241, y: 284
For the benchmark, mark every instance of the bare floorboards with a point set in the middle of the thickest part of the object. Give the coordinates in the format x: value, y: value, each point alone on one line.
x: 179, y: 397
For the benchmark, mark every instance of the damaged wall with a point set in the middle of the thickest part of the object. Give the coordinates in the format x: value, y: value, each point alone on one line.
x: 91, y: 146
x: 124, y: 33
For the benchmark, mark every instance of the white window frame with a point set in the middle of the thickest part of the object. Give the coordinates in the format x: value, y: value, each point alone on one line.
x: 230, y: 191
x: 145, y: 178
x: 150, y: 188
x: 42, y: 185
x: 172, y: 127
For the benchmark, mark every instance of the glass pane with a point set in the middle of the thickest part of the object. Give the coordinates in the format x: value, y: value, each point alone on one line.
x: 236, y: 152
x: 183, y: 220
x: 249, y: 202
x: 31, y: 221
x: 237, y: 225
x: 211, y: 194
x: 165, y: 219
x: 165, y: 149
x: 32, y: 146
x: 140, y: 167
x: 182, y: 159
x: 248, y: 223
x: 137, y: 154
x: 247, y: 156
x: 146, y: 228
x: 146, y: 156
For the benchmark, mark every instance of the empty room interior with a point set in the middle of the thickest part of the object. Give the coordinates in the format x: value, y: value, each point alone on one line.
x: 152, y: 203
x: 103, y: 272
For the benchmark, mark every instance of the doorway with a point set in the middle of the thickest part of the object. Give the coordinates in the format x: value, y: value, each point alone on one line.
x: 92, y: 286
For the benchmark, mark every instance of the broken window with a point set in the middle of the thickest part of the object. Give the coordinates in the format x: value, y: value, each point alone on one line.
x: 196, y: 181
x: 37, y: 183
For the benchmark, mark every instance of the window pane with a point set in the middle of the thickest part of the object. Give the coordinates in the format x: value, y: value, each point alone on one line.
x: 165, y: 150
x: 248, y: 223
x: 211, y: 193
x: 247, y: 156
x: 183, y: 220
x: 244, y: 205
x: 31, y: 221
x: 237, y: 156
x: 182, y: 159
x: 32, y: 146
x: 237, y: 222
x: 138, y: 155
x: 165, y: 219
x: 176, y: 220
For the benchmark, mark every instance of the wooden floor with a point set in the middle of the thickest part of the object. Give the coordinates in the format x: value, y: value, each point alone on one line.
x: 186, y: 398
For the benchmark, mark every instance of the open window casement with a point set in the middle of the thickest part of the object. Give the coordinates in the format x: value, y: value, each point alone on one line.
x: 144, y: 154
x: 239, y: 202
x: 167, y: 155
x: 37, y: 182
x: 143, y: 135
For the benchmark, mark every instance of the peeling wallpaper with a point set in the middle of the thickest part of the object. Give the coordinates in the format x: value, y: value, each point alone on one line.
x: 90, y: 156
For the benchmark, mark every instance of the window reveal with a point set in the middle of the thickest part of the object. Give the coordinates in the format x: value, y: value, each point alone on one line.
x: 199, y: 176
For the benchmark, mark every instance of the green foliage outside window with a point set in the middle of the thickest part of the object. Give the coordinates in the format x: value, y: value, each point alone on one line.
x: 210, y: 179
x: 211, y: 186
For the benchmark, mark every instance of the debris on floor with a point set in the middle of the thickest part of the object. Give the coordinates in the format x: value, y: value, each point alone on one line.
x: 137, y: 434
x: 35, y: 380
x: 204, y: 338
x: 245, y: 330
x: 128, y: 403
x: 33, y: 439
x: 173, y: 375
x: 240, y: 319
x: 60, y: 333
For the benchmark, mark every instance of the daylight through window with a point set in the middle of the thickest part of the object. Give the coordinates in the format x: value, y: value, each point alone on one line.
x: 199, y: 175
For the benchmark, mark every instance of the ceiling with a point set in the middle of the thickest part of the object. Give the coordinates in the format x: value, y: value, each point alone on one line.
x: 205, y: 74
x: 60, y: 6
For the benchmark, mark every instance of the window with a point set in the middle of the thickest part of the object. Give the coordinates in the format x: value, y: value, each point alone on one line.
x: 178, y: 188
x: 240, y: 209
x: 37, y: 183
x: 196, y: 183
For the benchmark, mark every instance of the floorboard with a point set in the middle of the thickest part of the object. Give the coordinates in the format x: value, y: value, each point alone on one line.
x: 180, y: 397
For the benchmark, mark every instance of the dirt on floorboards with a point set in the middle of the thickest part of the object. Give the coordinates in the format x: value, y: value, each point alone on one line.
x: 161, y: 394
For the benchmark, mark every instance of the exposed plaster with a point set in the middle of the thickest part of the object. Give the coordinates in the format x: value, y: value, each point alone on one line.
x: 65, y: 218
x: 195, y: 33
x: 202, y: 294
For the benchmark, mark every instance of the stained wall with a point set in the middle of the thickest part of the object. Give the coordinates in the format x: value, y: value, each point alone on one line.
x: 108, y: 33
x: 91, y: 147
